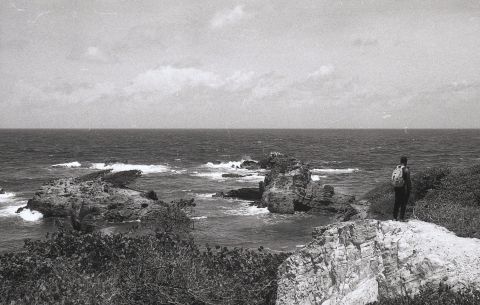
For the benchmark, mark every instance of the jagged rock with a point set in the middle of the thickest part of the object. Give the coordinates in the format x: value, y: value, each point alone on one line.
x: 248, y: 193
x: 250, y: 165
x: 101, y: 198
x: 355, y: 263
x: 183, y: 203
x: 123, y: 178
x: 288, y: 187
x: 93, y: 176
x: 233, y: 176
x: 150, y: 195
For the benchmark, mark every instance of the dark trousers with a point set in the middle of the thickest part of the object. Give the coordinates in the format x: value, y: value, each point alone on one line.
x: 401, y: 199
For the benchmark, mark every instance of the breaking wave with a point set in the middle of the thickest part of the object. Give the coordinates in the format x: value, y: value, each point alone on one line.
x: 10, y: 210
x: 335, y: 170
x: 226, y: 165
x: 68, y: 165
x: 317, y: 177
x: 246, y: 209
x: 118, y: 167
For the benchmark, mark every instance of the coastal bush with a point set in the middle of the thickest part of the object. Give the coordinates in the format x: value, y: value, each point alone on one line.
x: 382, y: 198
x: 455, y: 203
x: 163, y: 268
x: 441, y: 295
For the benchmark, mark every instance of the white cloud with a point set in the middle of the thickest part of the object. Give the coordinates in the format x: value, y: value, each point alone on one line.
x: 323, y: 71
x: 228, y: 17
x: 169, y: 80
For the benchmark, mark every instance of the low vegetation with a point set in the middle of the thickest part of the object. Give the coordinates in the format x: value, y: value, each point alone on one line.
x: 164, y: 267
x: 449, y: 197
x: 442, y: 295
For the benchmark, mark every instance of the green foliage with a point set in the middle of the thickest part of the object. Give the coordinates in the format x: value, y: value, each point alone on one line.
x: 455, y: 203
x: 162, y: 268
x: 382, y: 198
x: 445, y: 196
x: 442, y: 295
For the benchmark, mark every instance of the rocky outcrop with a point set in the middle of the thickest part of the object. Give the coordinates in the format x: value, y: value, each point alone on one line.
x: 2, y: 191
x: 232, y: 175
x: 99, y: 196
x: 357, y: 262
x: 288, y: 187
x: 247, y: 193
x: 250, y: 165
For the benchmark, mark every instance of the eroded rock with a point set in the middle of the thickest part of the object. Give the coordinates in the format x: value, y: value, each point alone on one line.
x: 100, y: 196
x: 354, y: 263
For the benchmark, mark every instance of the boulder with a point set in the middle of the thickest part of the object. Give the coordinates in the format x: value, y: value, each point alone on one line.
x: 358, y: 262
x: 2, y: 191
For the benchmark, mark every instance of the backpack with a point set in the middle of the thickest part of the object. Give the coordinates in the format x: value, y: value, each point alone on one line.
x: 397, y: 176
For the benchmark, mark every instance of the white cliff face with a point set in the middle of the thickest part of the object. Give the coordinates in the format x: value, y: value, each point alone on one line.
x: 356, y: 262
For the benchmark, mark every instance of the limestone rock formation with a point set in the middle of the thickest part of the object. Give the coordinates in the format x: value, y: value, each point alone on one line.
x: 288, y: 187
x: 247, y: 193
x: 354, y: 263
x: 99, y: 196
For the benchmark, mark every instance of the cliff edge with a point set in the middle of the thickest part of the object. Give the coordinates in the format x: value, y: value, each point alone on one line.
x: 358, y: 262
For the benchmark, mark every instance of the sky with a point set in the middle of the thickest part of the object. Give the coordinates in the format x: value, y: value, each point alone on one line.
x: 239, y: 64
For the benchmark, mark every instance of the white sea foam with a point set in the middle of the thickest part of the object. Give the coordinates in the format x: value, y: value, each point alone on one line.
x: 210, y: 175
x: 335, y: 170
x: 8, y: 196
x: 246, y: 209
x: 251, y: 178
x: 205, y: 195
x: 225, y: 165
x: 317, y: 177
x: 117, y: 167
x: 68, y: 165
x: 30, y: 215
x: 26, y: 214
x: 199, y: 217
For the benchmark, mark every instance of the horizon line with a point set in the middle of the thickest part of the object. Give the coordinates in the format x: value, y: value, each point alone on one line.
x: 241, y: 128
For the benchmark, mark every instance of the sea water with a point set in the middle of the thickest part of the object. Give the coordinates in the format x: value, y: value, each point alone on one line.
x: 190, y: 164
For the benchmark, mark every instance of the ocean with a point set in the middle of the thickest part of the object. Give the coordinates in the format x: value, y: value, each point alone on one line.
x: 190, y: 163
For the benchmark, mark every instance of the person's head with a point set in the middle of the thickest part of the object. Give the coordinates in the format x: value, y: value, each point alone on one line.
x: 403, y: 160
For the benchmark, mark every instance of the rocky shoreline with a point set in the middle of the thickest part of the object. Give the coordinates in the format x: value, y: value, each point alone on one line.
x: 288, y: 187
x: 99, y: 197
x: 356, y: 260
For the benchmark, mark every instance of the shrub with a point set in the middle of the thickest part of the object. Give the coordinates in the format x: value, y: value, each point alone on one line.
x: 163, y: 268
x: 455, y: 203
x: 382, y: 198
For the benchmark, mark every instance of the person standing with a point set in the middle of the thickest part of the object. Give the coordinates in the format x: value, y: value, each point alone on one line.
x: 402, y: 185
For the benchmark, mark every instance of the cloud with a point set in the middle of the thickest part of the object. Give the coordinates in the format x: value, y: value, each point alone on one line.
x: 323, y: 71
x: 169, y: 80
x: 228, y: 17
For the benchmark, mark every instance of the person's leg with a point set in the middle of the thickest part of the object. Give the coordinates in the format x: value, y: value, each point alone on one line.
x: 397, y: 203
x: 403, y: 207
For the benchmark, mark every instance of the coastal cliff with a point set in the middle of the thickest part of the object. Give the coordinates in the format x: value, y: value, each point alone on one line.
x: 358, y: 262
